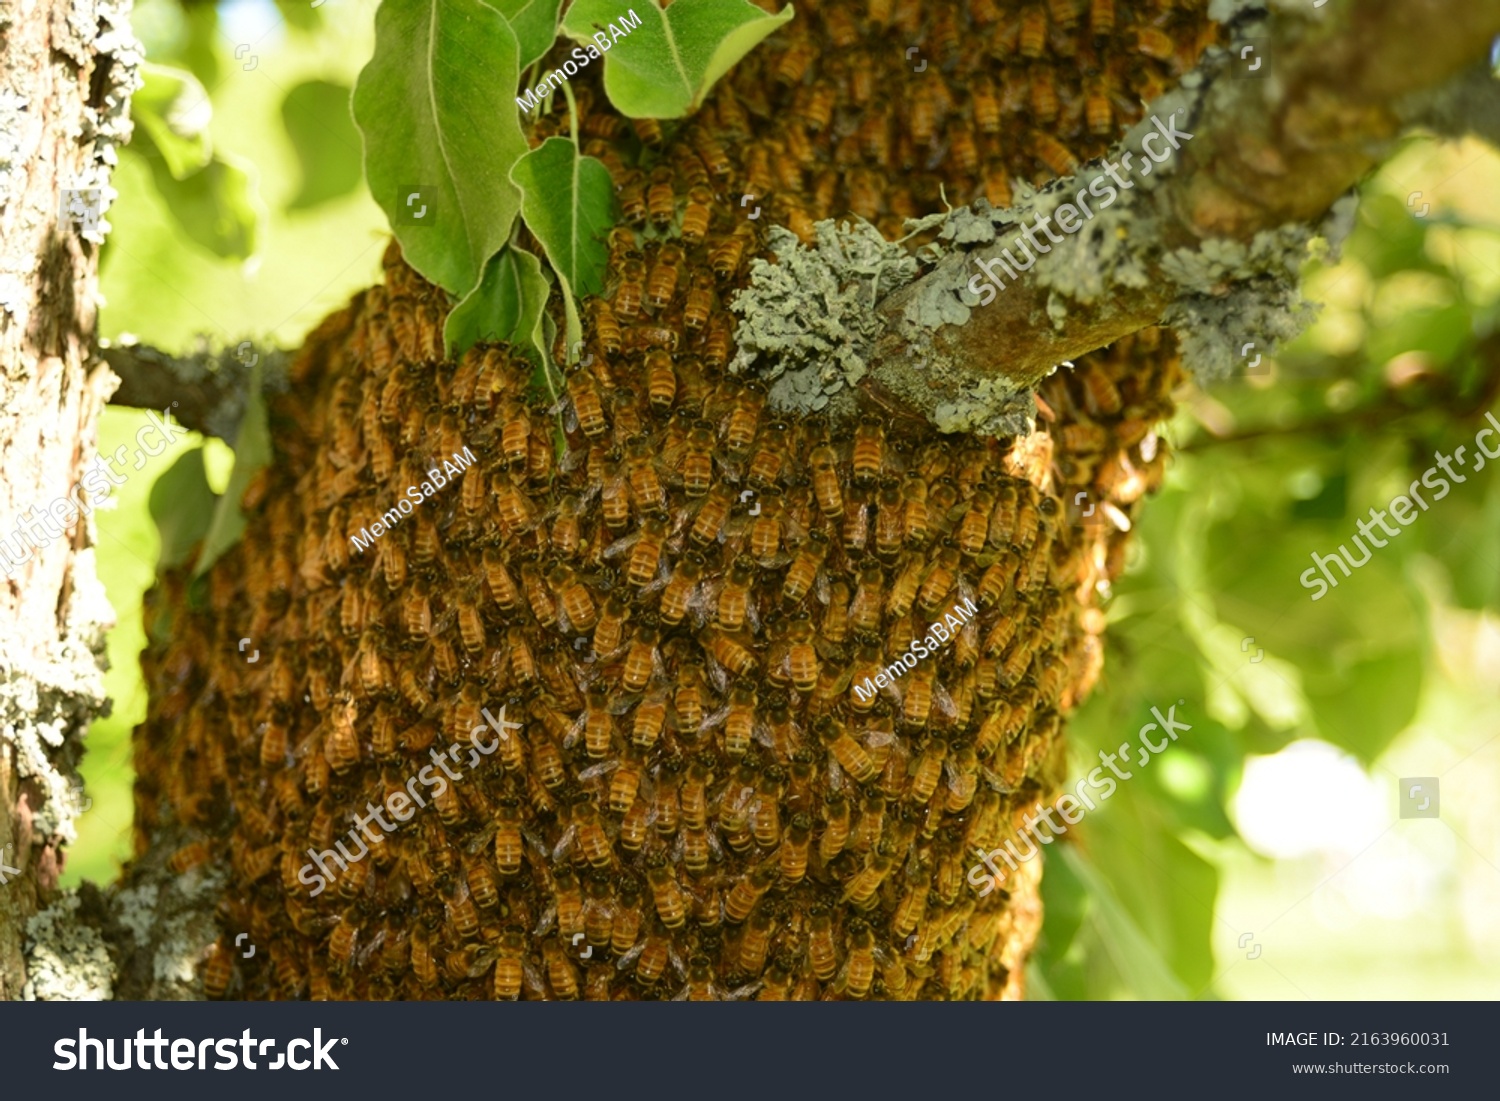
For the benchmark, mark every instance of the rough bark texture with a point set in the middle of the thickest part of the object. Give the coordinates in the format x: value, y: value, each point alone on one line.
x: 66, y: 73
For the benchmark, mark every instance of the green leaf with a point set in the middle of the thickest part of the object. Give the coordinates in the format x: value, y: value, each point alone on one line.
x: 181, y: 504
x: 506, y: 307
x: 1145, y: 972
x: 665, y: 67
x: 317, y: 120
x: 535, y: 24
x: 252, y: 450
x: 172, y: 111
x: 200, y: 47
x: 568, y: 202
x: 218, y: 207
x: 441, y: 133
x: 300, y: 15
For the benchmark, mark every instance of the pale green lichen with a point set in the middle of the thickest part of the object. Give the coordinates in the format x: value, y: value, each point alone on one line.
x: 66, y: 960
x: 810, y: 318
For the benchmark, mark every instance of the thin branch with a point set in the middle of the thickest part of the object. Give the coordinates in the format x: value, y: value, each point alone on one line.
x: 1269, y: 155
x: 208, y: 387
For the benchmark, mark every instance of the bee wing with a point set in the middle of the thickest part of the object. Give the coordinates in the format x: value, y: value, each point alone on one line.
x: 956, y: 781
x: 877, y: 738
x: 549, y: 915
x: 482, y: 838
x: 995, y: 782
x: 601, y: 769
x: 367, y: 949
x: 943, y: 701
x: 822, y: 588
x: 570, y: 739
x: 740, y: 993
x: 715, y: 719
x: 631, y: 955
x: 564, y: 843
x: 761, y: 732
x: 620, y: 546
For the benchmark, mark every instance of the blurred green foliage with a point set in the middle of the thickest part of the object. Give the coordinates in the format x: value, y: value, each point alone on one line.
x: 1265, y: 472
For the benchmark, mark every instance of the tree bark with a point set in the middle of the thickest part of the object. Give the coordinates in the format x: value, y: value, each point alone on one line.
x: 67, y: 70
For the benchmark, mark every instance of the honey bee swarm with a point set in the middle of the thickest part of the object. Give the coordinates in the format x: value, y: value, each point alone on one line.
x: 676, y: 603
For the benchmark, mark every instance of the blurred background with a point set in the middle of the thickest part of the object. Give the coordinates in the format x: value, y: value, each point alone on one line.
x: 1264, y: 854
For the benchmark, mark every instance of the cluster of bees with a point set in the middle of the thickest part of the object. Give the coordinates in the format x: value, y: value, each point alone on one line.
x: 672, y: 586
x: 836, y: 115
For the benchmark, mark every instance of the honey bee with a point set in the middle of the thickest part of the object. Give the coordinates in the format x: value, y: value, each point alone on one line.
x: 1044, y: 104
x: 538, y: 597
x: 1033, y: 38
x: 648, y: 130
x: 676, y: 597
x: 822, y: 952
x: 561, y: 973
x: 714, y: 511
x: 859, y: 969
x: 631, y: 290
x: 508, y: 966
x: 274, y: 745
x: 746, y: 892
x: 643, y: 659
x: 861, y: 889
x: 640, y: 470
x: 739, y: 719
x: 634, y: 825
x: 940, y: 579
x: 869, y: 450
x: 341, y: 747
x: 645, y: 554
x: 628, y: 915
x: 218, y: 970
x: 730, y: 652
x: 572, y: 597
x: 802, y: 658
x: 518, y: 654
x: 744, y: 419
x: 851, y: 756
x: 726, y: 255
x: 661, y: 286
x: 665, y: 892
x: 1057, y: 157
x: 716, y: 345
x: 632, y: 195
x: 1154, y: 42
x: 804, y: 569
x: 610, y: 633
x: 509, y: 847
x: 661, y: 200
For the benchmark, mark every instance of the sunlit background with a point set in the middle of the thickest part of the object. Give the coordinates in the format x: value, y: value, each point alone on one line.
x: 1264, y: 854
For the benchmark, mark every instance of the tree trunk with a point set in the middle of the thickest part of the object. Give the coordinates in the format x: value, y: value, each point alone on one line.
x: 67, y: 70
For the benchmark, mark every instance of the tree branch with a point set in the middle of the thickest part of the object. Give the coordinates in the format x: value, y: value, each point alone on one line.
x: 208, y: 387
x: 1211, y: 240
